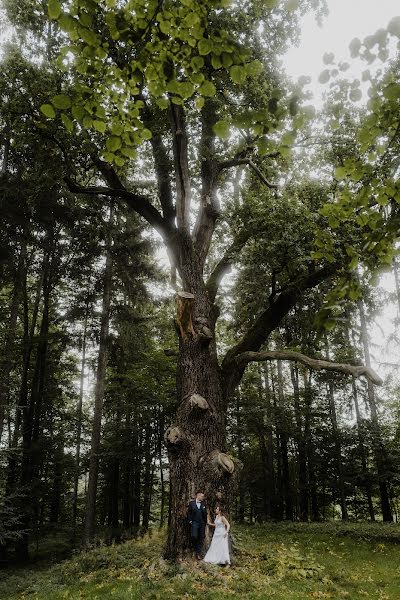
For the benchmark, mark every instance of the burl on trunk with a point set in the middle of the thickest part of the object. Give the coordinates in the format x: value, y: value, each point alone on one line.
x: 196, y: 441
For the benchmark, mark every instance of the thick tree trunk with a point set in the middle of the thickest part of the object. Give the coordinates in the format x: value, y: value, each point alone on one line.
x: 90, y: 514
x: 196, y: 441
x: 239, y: 449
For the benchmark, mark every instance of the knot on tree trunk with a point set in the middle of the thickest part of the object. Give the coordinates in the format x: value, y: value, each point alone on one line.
x: 184, y: 307
x: 203, y: 330
x: 174, y: 436
x: 198, y: 404
x: 217, y: 463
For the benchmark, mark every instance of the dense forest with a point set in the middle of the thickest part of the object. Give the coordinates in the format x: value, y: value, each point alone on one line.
x: 190, y: 256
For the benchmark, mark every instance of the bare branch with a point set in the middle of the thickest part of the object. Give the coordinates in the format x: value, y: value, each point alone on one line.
x: 225, y: 264
x: 313, y: 363
x: 235, y: 162
x: 182, y: 175
x: 209, y: 209
x: 136, y: 202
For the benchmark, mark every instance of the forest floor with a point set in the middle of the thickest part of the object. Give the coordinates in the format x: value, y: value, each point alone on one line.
x: 289, y: 561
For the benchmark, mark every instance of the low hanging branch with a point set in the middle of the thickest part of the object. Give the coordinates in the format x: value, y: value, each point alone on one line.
x: 313, y: 363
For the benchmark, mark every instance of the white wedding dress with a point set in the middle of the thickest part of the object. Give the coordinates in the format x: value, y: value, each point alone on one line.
x: 218, y: 552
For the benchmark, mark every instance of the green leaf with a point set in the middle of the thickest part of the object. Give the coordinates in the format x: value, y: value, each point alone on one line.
x: 392, y: 91
x: 146, y: 134
x: 54, y: 9
x: 324, y: 76
x: 68, y: 124
x: 48, y: 111
x: 354, y: 47
x: 67, y: 23
x: 129, y: 152
x: 100, y: 126
x: 328, y: 58
x: 222, y: 129
x: 61, y: 101
x: 238, y: 74
x: 89, y: 37
x: 394, y: 26
x: 355, y: 95
x: 340, y: 173
x: 113, y: 143
x: 197, y: 63
x: 199, y: 102
x: 254, y: 68
x: 207, y: 89
x: 205, y: 47
x: 78, y: 112
x: 162, y: 103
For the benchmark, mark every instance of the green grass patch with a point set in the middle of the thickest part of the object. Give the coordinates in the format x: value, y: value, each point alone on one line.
x: 279, y: 561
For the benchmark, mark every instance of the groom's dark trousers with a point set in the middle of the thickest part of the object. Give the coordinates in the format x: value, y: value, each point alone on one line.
x: 197, y: 518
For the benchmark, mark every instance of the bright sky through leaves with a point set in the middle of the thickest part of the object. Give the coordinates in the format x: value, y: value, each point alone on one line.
x: 347, y: 19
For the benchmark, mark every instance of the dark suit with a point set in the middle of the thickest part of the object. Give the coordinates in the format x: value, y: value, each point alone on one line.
x: 197, y: 518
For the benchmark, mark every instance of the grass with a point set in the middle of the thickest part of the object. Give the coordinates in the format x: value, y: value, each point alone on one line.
x: 279, y: 561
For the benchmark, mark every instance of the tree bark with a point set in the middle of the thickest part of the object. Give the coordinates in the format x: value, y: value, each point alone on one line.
x: 79, y: 426
x: 379, y: 446
x: 196, y: 442
x: 90, y: 513
x: 6, y: 364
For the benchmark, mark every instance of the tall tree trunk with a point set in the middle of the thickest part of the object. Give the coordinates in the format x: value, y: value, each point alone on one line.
x: 239, y: 448
x: 270, y: 446
x: 308, y: 396
x: 284, y: 434
x: 28, y: 345
x: 337, y: 443
x: 147, y: 477
x: 379, y: 446
x: 79, y: 426
x: 160, y: 433
x: 196, y: 442
x: 32, y: 413
x: 361, y: 447
x: 6, y: 364
x: 338, y: 451
x: 301, y: 448
x: 90, y: 513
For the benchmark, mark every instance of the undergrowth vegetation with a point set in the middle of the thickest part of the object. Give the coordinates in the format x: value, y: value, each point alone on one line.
x: 289, y: 561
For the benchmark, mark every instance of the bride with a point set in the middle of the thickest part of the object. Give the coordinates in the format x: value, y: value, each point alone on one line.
x: 218, y: 552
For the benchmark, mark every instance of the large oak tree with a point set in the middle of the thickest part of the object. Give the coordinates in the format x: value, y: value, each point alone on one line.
x: 188, y: 92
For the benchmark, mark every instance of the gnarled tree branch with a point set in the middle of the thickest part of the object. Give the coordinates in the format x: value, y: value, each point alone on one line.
x: 140, y: 204
x: 209, y: 209
x: 182, y: 175
x: 235, y: 162
x: 268, y: 320
x: 316, y: 364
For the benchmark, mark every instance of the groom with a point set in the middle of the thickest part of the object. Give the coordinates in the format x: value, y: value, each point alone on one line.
x: 197, y: 517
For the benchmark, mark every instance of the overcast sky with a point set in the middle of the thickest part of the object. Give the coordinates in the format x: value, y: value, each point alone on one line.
x: 347, y: 19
